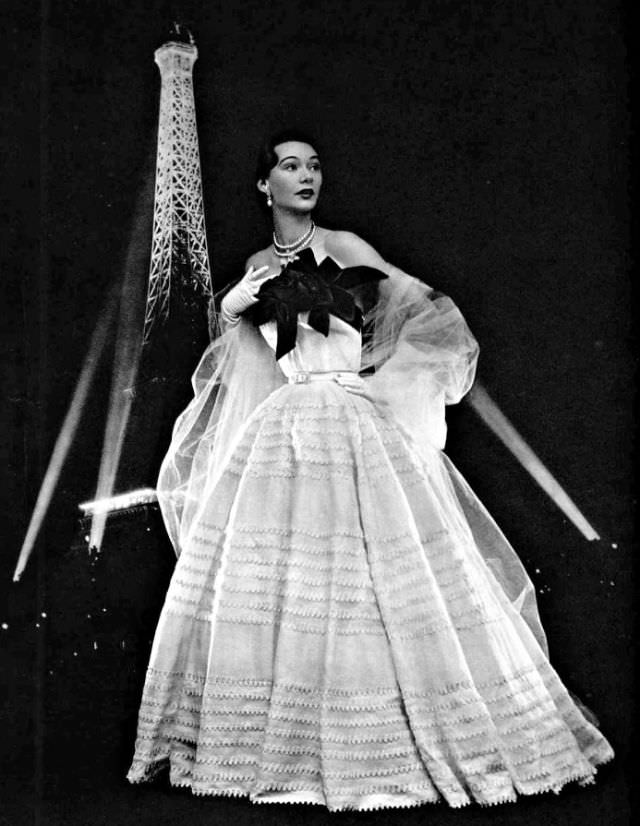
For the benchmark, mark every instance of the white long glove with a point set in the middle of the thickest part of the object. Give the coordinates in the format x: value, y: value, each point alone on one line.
x: 243, y: 295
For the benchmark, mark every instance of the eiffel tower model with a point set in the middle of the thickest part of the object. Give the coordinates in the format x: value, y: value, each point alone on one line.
x: 131, y: 561
x: 175, y: 330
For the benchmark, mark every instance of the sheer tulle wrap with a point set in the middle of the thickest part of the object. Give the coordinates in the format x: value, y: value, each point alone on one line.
x: 423, y: 354
x: 236, y: 372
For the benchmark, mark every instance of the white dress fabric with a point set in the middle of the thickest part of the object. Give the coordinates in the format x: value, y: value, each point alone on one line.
x: 346, y: 625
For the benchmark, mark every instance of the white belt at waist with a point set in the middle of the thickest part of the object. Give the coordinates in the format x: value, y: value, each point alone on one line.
x: 345, y: 377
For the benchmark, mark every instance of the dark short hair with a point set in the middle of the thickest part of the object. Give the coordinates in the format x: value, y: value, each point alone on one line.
x: 267, y: 157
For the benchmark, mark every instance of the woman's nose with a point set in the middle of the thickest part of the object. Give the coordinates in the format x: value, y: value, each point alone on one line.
x: 307, y: 174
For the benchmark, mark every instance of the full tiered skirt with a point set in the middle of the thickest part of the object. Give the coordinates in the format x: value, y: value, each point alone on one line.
x: 332, y: 635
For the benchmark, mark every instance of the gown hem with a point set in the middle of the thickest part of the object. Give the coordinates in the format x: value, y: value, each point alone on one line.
x: 371, y: 801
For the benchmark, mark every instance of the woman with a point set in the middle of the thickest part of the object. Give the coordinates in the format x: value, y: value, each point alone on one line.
x: 346, y: 624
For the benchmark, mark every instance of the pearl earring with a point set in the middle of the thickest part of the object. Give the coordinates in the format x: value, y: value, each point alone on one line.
x: 269, y: 199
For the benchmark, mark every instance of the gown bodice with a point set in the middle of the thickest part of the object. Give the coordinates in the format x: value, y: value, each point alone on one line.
x: 314, y: 352
x: 309, y: 316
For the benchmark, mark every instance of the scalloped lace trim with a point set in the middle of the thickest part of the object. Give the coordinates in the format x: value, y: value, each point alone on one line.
x: 371, y: 798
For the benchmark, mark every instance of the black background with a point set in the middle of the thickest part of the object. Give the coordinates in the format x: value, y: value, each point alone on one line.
x: 481, y: 146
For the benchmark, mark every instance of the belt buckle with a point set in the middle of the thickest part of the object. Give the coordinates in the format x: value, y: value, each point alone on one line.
x: 300, y: 378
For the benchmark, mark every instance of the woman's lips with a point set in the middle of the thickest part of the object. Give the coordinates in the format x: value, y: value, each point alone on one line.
x: 305, y: 193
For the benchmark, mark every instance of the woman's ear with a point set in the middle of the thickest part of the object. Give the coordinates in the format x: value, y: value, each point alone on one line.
x: 263, y: 186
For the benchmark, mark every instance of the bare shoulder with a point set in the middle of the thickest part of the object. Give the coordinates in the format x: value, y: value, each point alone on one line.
x: 261, y: 258
x: 351, y: 250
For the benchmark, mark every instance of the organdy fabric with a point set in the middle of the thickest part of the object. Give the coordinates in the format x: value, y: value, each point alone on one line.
x: 346, y: 625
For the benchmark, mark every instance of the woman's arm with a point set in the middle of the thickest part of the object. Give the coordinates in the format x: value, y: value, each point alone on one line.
x: 420, y: 346
x: 349, y: 250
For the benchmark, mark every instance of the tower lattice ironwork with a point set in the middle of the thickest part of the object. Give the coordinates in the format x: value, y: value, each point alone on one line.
x: 179, y: 235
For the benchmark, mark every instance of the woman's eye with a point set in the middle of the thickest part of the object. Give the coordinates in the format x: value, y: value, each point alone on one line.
x: 290, y: 166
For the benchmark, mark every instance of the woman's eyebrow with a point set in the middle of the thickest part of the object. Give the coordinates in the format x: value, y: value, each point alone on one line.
x: 296, y: 158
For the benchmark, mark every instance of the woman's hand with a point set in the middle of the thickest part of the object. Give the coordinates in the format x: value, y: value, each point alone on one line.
x: 352, y: 383
x: 244, y: 294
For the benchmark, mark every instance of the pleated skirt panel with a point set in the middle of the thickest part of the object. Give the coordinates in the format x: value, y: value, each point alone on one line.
x: 332, y: 635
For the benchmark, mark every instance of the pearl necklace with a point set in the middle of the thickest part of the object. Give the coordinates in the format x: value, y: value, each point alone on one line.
x: 290, y: 250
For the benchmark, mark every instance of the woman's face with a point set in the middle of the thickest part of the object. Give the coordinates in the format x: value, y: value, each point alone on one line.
x: 294, y: 182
